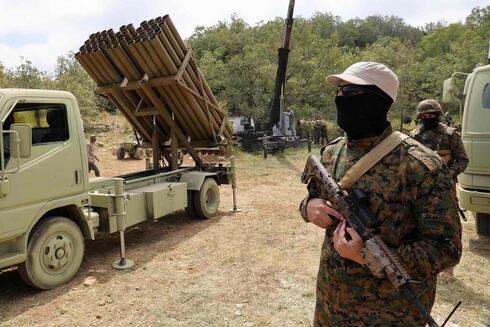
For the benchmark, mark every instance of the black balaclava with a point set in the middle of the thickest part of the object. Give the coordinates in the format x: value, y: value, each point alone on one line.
x: 430, y: 123
x: 363, y: 115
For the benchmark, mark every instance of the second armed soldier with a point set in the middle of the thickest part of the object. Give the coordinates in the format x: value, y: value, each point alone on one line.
x: 442, y: 139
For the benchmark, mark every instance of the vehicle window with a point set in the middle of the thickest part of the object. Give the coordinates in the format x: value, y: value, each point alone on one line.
x: 48, y: 121
x: 486, y: 96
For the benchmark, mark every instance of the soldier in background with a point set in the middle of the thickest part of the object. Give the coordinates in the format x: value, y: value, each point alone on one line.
x: 409, y: 193
x: 442, y: 139
x: 320, y: 132
x: 91, y: 156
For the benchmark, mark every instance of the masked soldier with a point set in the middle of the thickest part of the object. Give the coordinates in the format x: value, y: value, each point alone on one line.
x: 442, y: 139
x: 409, y: 193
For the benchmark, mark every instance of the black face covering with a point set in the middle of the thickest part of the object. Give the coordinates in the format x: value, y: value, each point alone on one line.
x: 430, y: 123
x: 362, y: 115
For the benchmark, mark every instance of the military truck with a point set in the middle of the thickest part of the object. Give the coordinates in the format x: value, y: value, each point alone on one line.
x: 48, y: 204
x: 474, y: 184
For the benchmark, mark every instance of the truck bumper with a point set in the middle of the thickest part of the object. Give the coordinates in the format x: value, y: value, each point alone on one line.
x: 472, y: 200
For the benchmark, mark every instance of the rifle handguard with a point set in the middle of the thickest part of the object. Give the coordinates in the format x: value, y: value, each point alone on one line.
x: 384, y: 262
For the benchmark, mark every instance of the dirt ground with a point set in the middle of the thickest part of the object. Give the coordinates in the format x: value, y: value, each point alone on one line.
x: 253, y: 268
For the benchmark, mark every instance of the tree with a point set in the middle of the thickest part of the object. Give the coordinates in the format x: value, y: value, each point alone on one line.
x: 239, y: 61
x: 4, y: 80
x: 70, y: 76
x: 27, y: 76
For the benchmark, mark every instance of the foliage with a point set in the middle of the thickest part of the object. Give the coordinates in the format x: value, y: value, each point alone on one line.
x: 4, y: 80
x: 27, y: 76
x: 239, y: 62
x: 71, y: 77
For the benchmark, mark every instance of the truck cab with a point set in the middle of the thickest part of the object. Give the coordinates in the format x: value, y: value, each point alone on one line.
x: 474, y: 184
x: 43, y: 177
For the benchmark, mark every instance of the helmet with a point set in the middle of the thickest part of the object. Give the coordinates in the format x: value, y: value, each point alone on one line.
x: 429, y: 106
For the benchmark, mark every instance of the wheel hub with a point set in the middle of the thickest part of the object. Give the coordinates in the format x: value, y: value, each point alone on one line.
x: 57, y: 253
x: 60, y: 253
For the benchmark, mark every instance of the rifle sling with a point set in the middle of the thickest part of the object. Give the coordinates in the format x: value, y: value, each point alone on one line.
x: 371, y: 158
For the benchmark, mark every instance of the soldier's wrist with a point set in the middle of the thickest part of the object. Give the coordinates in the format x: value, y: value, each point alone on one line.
x: 302, y: 209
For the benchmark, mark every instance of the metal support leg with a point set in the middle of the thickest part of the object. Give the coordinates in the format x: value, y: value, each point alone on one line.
x: 123, y: 262
x: 233, y: 184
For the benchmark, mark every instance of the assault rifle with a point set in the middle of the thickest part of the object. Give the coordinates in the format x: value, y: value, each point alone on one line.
x: 380, y: 259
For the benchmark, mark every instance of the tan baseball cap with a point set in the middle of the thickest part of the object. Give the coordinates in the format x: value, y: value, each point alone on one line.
x: 368, y: 73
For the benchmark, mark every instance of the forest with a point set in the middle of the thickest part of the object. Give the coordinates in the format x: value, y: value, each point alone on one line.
x: 239, y: 61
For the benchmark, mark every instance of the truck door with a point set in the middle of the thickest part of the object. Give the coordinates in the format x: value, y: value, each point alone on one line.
x: 476, y: 129
x: 53, y: 170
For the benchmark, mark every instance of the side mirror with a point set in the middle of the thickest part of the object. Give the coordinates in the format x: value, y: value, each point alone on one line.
x: 449, y: 91
x: 24, y: 133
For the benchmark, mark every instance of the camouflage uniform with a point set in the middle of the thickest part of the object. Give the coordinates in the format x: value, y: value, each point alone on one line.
x: 320, y: 132
x: 446, y: 142
x: 409, y: 192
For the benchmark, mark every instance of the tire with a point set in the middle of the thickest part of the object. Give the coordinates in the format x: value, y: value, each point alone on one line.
x: 206, y: 201
x: 120, y: 153
x: 180, y: 158
x: 139, y: 153
x: 54, y: 253
x: 483, y: 223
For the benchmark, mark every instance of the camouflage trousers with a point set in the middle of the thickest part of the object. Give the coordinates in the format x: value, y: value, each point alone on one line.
x: 368, y: 303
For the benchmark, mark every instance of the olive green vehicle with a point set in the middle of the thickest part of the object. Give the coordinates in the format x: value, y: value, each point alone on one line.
x: 474, y: 184
x: 48, y: 204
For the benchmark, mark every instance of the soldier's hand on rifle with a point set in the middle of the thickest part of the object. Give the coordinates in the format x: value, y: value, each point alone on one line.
x: 348, y: 247
x: 321, y: 213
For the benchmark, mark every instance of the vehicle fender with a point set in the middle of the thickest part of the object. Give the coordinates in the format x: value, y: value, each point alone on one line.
x: 70, y: 207
x: 195, y: 179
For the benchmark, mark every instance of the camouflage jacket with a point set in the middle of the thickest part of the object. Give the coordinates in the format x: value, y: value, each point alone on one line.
x: 409, y: 192
x: 446, y: 142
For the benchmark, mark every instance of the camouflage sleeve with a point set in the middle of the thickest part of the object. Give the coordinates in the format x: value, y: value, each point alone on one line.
x: 459, y: 157
x: 313, y: 187
x: 436, y: 242
x: 313, y: 192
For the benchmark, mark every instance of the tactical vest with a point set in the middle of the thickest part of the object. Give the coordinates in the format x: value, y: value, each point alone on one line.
x: 438, y: 141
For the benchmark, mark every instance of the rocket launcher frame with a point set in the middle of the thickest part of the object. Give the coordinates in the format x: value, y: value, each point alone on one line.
x: 152, y: 77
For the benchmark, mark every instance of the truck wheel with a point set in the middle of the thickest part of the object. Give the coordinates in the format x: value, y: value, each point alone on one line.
x: 483, y: 223
x: 138, y: 153
x: 54, y: 253
x: 120, y: 153
x: 206, y: 201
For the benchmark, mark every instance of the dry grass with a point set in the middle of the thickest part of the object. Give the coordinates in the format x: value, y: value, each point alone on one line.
x: 254, y: 268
